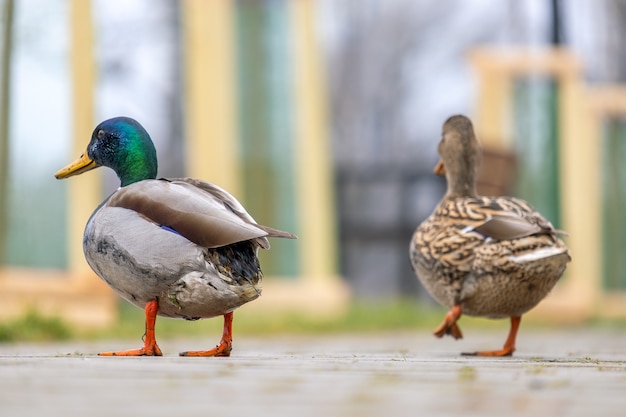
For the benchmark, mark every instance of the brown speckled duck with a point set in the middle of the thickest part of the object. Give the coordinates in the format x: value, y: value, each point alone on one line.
x: 493, y: 257
x: 180, y: 248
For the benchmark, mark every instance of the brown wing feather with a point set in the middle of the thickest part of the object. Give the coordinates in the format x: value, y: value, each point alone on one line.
x: 234, y: 205
x: 505, y: 227
x: 207, y: 216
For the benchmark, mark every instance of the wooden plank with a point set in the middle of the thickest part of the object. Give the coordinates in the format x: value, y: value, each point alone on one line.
x: 607, y: 100
x: 526, y: 60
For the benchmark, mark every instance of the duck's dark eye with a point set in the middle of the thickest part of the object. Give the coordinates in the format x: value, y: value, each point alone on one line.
x: 101, y: 134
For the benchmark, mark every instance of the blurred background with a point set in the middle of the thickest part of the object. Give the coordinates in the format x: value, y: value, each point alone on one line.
x: 322, y: 117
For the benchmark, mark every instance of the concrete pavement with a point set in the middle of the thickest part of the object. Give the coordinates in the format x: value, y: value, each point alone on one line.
x: 574, y: 372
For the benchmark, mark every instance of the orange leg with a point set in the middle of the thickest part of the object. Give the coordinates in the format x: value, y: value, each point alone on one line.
x: 449, y: 325
x: 226, y: 344
x: 509, y: 345
x: 150, y: 347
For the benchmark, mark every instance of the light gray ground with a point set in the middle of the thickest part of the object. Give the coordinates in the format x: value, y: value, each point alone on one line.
x: 574, y: 372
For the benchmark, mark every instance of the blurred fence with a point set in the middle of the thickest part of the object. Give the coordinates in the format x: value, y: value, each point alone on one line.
x: 379, y: 207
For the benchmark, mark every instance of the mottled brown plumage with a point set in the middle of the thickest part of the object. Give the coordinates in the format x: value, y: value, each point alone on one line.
x: 483, y: 256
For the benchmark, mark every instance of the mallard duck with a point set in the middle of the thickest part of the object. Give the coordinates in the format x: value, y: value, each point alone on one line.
x: 493, y: 257
x: 180, y: 248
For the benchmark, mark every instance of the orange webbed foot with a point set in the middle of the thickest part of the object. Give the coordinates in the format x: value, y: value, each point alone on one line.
x: 152, y: 350
x: 507, y: 351
x: 223, y: 349
x: 150, y: 347
x: 509, y: 345
x: 225, y: 345
x: 449, y: 326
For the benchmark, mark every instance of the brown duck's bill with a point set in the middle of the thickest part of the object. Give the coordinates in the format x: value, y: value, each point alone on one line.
x: 82, y: 164
x: 440, y: 169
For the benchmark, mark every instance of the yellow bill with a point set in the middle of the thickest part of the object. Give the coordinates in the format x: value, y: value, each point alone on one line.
x: 440, y: 169
x: 82, y: 164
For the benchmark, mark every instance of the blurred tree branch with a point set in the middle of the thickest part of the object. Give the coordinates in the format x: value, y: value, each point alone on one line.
x: 369, y: 87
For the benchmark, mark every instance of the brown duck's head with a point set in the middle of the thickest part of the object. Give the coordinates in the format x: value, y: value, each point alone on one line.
x: 460, y: 154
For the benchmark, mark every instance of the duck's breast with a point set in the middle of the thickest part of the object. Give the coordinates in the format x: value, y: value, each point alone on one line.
x: 136, y: 257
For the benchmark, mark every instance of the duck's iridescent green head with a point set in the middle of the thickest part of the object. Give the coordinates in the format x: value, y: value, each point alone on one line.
x: 121, y: 144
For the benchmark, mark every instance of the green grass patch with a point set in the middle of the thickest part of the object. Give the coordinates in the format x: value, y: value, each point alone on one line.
x: 35, y: 327
x: 361, y: 316
x: 358, y: 317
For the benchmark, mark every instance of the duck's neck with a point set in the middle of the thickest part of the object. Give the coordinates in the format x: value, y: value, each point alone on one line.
x: 135, y: 172
x: 136, y: 166
x: 461, y: 182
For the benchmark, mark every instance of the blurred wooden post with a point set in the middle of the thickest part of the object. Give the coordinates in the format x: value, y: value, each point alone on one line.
x: 84, y: 191
x: 577, y: 296
x: 210, y: 90
x: 494, y: 106
x: 76, y: 295
x: 210, y: 79
x: 212, y: 138
x: 580, y: 176
x: 317, y: 243
x: 603, y: 102
x: 7, y: 36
